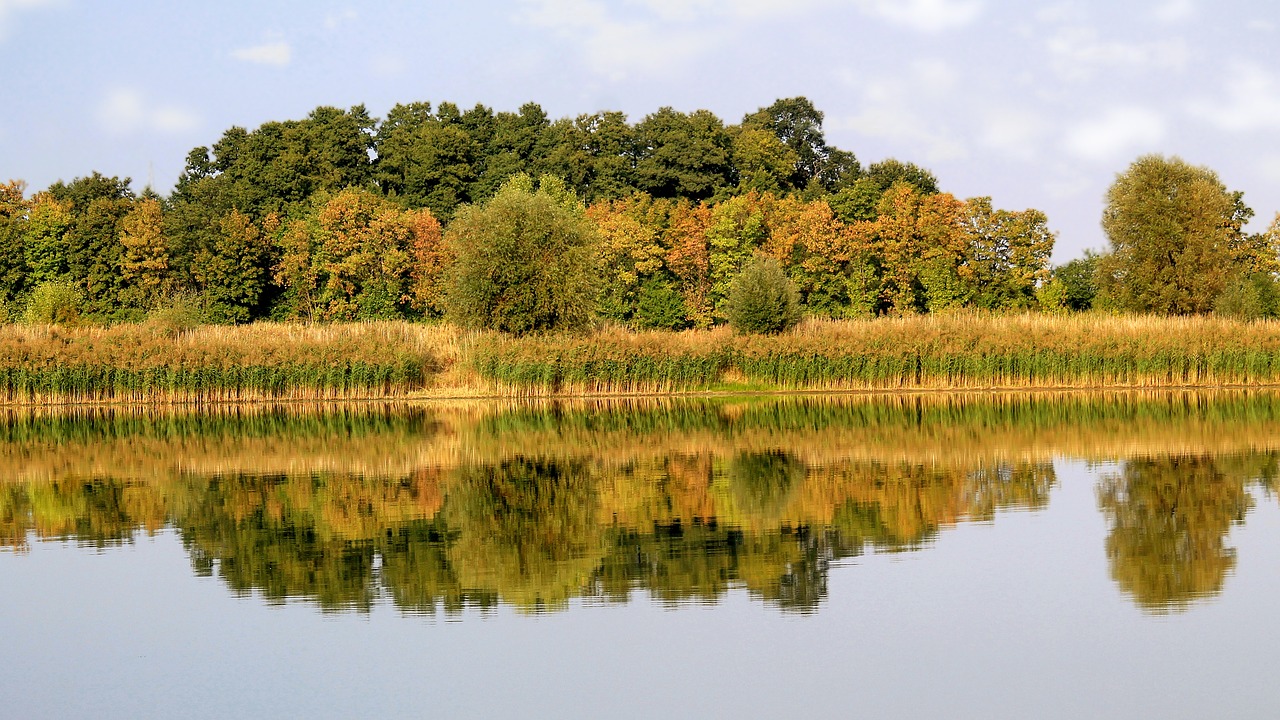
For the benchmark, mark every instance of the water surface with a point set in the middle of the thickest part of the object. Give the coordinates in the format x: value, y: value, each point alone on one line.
x: 961, y: 556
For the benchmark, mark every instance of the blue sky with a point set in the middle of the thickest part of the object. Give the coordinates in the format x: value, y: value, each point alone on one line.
x: 1036, y: 104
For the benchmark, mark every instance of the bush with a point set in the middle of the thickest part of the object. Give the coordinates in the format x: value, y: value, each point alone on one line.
x: 660, y: 307
x: 762, y: 299
x: 180, y: 315
x: 54, y: 303
x: 1251, y: 297
x: 525, y: 260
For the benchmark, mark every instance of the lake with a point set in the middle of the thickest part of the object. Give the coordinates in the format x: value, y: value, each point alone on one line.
x: 962, y: 556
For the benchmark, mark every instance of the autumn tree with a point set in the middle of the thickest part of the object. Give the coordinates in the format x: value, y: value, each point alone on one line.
x: 144, y: 258
x: 631, y: 250
x: 689, y: 258
x: 525, y: 260
x: 356, y: 255
x: 1009, y: 254
x: 13, y: 220
x: 1176, y: 237
x: 922, y: 251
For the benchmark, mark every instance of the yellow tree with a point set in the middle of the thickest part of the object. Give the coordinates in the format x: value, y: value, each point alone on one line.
x: 689, y: 258
x: 144, y: 258
x: 13, y: 218
x: 630, y: 250
x: 922, y: 250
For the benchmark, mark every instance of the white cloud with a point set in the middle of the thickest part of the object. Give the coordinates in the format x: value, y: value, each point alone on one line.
x: 337, y: 20
x: 278, y: 53
x: 1014, y: 132
x: 1252, y: 101
x: 1078, y: 53
x: 10, y: 8
x: 1175, y: 11
x: 616, y: 47
x: 928, y: 16
x: 907, y: 111
x: 1119, y: 131
x: 657, y: 35
x: 125, y: 111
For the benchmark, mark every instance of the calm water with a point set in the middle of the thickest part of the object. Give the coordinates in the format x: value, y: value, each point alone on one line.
x: 957, y: 557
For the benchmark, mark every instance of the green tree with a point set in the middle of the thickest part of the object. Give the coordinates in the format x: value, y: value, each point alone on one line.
x: 525, y: 260
x: 98, y: 206
x: 683, y: 156
x: 798, y: 125
x: 1176, y: 237
x: 1009, y: 254
x: 1079, y: 278
x: 763, y: 299
x: 232, y: 273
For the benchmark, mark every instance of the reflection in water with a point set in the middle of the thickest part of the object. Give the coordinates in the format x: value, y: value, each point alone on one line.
x: 1169, y: 520
x: 535, y: 506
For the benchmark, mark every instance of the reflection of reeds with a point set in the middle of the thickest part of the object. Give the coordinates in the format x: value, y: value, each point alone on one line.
x: 395, y: 440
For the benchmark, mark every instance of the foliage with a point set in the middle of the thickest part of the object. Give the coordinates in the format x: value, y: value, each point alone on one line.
x: 525, y: 260
x: 1176, y: 236
x: 762, y: 299
x: 1249, y: 297
x: 54, y: 303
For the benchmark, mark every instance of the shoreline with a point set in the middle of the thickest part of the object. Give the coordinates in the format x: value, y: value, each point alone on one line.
x: 447, y: 396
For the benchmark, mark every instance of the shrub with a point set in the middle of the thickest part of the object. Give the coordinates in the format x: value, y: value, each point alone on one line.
x: 762, y: 299
x: 1250, y: 297
x: 54, y: 303
x: 179, y: 315
x: 660, y: 307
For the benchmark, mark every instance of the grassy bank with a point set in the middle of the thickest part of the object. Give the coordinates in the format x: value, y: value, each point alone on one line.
x: 143, y: 363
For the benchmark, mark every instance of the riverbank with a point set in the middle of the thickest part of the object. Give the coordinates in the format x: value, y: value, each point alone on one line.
x: 396, y: 360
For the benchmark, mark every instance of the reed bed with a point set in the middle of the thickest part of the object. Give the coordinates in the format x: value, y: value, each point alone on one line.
x: 967, y: 351
x: 145, y: 363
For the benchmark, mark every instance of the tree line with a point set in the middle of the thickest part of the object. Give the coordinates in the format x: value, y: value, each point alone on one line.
x: 339, y: 216
x: 434, y: 212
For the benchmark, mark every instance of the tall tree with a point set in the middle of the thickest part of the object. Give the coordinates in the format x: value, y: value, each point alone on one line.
x: 13, y: 221
x: 526, y: 260
x: 144, y: 258
x: 683, y: 155
x: 798, y: 125
x: 1176, y: 237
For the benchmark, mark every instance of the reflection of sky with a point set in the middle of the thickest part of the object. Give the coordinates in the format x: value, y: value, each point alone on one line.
x: 1036, y: 103
x: 1016, y: 618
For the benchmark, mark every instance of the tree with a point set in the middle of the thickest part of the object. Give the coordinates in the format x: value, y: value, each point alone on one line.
x: 1010, y: 254
x: 97, y: 205
x: 144, y: 260
x: 1176, y: 237
x: 683, y: 156
x: 763, y: 299
x: 1079, y: 279
x: 526, y: 260
x: 13, y: 219
x: 797, y: 124
x: 231, y: 273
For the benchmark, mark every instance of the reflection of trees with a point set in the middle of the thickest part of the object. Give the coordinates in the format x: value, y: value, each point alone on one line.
x: 526, y: 529
x: 1169, y: 521
x: 535, y: 533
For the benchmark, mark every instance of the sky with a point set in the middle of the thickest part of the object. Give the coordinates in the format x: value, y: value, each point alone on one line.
x: 1036, y: 104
